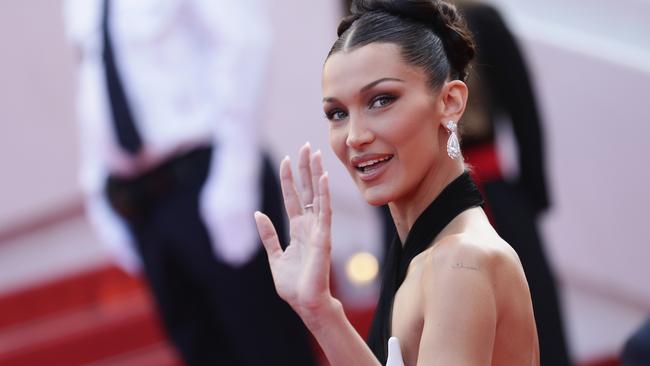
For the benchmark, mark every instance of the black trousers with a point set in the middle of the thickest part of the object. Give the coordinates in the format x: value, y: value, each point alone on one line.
x: 213, y: 313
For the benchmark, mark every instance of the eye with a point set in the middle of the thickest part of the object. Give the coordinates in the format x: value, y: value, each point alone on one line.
x: 336, y: 115
x: 382, y: 101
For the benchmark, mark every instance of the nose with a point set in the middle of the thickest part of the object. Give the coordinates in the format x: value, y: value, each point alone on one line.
x: 358, y: 133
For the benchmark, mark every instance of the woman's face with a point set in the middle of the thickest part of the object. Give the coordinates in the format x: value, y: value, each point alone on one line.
x: 385, y: 123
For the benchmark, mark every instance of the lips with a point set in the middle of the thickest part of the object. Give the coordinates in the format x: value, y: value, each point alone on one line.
x: 371, y: 165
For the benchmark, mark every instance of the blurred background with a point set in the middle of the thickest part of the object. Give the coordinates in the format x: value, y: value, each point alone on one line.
x: 62, y: 297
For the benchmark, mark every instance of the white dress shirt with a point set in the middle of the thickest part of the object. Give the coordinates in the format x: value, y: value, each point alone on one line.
x: 192, y: 71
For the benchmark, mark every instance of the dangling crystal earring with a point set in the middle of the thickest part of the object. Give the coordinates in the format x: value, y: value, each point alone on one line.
x: 453, y: 146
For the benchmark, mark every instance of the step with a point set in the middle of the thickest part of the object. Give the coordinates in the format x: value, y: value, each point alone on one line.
x: 101, y: 285
x: 88, y: 317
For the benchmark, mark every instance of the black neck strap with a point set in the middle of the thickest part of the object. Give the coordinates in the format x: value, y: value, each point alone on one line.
x: 458, y: 196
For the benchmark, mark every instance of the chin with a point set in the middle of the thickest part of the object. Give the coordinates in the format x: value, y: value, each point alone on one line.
x: 377, y: 203
x: 374, y: 197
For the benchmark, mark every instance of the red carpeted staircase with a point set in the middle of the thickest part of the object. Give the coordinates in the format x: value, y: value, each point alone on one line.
x: 101, y: 317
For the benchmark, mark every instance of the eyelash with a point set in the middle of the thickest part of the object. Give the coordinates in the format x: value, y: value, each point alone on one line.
x: 388, y: 97
x: 330, y: 115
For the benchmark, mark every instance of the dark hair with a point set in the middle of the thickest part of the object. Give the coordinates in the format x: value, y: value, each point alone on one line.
x: 431, y: 34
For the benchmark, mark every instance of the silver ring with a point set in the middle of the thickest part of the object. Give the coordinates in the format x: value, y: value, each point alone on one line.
x: 308, y: 206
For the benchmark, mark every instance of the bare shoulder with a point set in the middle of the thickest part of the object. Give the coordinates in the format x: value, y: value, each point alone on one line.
x: 473, y: 289
x: 459, y: 287
x: 470, y: 260
x: 487, y: 254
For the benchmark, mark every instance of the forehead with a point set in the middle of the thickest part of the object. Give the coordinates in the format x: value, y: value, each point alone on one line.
x: 347, y: 71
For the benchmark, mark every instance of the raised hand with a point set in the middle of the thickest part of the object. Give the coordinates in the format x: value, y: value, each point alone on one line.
x: 301, y: 271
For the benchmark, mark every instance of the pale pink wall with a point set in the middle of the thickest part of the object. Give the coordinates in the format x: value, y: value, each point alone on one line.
x: 38, y: 148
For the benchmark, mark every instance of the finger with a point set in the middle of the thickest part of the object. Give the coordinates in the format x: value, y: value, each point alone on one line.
x: 325, y: 211
x: 304, y: 169
x: 291, y: 200
x: 316, y: 173
x: 269, y: 236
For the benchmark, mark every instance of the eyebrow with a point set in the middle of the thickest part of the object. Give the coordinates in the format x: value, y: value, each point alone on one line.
x: 374, y: 83
x: 369, y: 86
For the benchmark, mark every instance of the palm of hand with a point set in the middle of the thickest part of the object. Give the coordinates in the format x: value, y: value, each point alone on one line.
x: 301, y: 271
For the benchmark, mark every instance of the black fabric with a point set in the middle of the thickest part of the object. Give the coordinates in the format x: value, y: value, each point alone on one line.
x: 134, y: 198
x: 458, y: 196
x: 123, y: 123
x: 213, y: 313
x: 636, y: 351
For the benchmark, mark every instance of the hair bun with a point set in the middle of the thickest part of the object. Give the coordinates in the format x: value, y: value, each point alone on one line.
x: 450, y: 25
x: 441, y: 17
x: 418, y: 10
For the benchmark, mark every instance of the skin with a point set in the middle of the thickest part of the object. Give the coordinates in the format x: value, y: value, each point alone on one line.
x: 465, y: 300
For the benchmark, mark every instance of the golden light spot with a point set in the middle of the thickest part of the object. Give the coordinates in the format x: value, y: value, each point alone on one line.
x: 362, y: 268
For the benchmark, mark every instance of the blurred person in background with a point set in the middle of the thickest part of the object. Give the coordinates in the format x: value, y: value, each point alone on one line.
x: 501, y: 92
x: 172, y: 167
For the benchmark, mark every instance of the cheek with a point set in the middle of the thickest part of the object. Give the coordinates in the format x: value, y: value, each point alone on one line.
x: 337, y: 138
x: 411, y: 122
x: 414, y: 136
x: 416, y: 146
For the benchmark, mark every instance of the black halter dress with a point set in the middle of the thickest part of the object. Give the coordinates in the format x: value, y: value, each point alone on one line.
x: 458, y: 196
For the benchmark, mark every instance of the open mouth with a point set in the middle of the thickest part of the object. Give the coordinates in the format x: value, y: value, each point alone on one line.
x: 372, y: 165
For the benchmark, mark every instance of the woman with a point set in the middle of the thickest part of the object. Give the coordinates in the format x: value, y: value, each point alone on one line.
x: 454, y: 292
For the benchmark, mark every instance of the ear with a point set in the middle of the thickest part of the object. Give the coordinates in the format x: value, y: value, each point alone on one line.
x: 453, y: 99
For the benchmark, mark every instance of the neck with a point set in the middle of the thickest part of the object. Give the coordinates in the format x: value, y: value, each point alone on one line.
x: 408, y: 208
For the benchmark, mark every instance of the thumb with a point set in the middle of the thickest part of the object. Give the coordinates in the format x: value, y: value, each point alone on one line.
x: 269, y: 236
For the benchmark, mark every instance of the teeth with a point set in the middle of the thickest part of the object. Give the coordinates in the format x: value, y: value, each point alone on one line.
x: 372, y: 162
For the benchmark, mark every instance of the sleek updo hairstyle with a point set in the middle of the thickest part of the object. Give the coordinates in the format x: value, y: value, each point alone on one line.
x: 431, y: 34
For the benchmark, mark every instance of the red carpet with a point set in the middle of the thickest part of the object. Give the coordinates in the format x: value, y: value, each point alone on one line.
x: 103, y: 317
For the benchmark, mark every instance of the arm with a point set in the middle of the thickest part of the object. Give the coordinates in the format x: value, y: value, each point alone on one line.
x: 301, y: 271
x: 460, y: 314
x: 110, y: 227
x: 81, y: 19
x: 238, y: 44
x: 337, y: 337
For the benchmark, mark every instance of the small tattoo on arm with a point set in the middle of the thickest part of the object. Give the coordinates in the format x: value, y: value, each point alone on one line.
x: 461, y: 265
